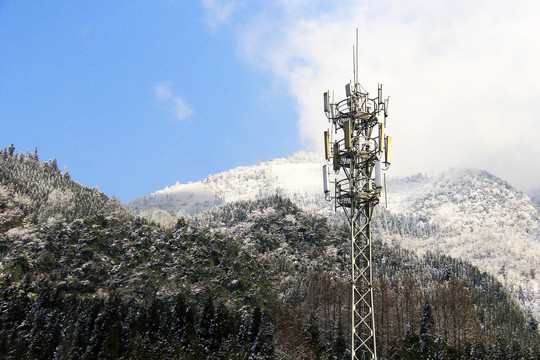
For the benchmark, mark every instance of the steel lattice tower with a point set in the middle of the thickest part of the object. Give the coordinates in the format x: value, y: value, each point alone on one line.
x: 358, y: 151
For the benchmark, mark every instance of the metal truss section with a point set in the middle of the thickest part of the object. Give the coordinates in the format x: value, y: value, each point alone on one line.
x: 357, y: 150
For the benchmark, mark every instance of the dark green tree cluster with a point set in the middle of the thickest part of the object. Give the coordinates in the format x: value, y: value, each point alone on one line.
x: 56, y: 326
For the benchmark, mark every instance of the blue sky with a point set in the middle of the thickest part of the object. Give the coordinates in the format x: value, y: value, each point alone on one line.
x: 132, y: 96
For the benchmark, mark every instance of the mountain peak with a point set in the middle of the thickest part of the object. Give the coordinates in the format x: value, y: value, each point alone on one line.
x: 297, y: 176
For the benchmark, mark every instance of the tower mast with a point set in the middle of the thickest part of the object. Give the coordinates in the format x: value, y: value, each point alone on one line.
x: 358, y: 153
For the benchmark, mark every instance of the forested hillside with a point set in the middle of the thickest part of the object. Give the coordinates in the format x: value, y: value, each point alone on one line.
x: 82, y: 278
x: 464, y: 213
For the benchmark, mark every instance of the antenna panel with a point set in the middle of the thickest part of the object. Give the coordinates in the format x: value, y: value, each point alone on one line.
x: 348, y: 90
x: 326, y: 145
x: 336, y: 157
x: 326, y: 102
x: 388, y: 158
x: 325, y: 179
x: 381, y: 137
x: 378, y: 175
x: 347, y: 130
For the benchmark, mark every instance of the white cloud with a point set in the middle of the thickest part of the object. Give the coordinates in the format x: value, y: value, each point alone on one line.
x: 218, y: 11
x: 462, y: 75
x: 172, y: 103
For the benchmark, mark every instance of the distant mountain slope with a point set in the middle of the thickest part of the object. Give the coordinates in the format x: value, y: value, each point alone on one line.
x: 298, y: 177
x: 473, y: 215
x: 467, y: 214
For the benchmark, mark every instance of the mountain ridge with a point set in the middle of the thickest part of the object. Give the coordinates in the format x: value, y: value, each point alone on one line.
x: 283, y: 176
x: 468, y: 214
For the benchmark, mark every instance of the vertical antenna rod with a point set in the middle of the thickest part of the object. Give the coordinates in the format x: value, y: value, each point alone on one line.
x: 356, y: 64
x: 358, y: 154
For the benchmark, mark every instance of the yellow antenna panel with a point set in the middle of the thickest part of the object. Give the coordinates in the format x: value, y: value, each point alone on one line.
x: 326, y: 145
x: 381, y: 137
x: 388, y: 150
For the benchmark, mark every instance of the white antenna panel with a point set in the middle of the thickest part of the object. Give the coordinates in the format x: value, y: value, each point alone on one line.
x: 326, y: 102
x: 378, y: 175
x: 325, y: 179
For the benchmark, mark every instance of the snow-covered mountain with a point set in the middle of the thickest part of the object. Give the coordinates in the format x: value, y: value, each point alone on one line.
x: 535, y: 196
x: 475, y: 216
x: 466, y: 214
x: 298, y: 177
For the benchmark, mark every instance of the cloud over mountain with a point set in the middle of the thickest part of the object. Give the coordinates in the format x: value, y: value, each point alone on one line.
x: 461, y: 75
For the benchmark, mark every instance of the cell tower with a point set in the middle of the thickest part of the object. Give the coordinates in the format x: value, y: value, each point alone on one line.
x: 358, y: 150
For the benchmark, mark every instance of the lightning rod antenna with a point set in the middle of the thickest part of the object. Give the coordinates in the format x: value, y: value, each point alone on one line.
x: 356, y: 67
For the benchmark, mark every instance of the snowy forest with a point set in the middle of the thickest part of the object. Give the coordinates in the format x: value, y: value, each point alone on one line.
x: 81, y: 277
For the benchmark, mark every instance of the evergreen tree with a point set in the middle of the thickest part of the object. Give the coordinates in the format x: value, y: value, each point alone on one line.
x: 427, y: 333
x: 111, y: 328
x: 339, y: 344
x: 254, y: 324
x: 313, y: 335
x: 54, y: 165
x: 263, y: 345
x: 206, y: 327
x: 411, y: 347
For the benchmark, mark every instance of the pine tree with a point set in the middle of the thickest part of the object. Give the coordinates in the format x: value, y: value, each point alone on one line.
x: 111, y: 328
x: 206, y: 326
x: 263, y: 345
x: 339, y: 344
x: 427, y: 333
x: 254, y: 324
x: 54, y: 165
